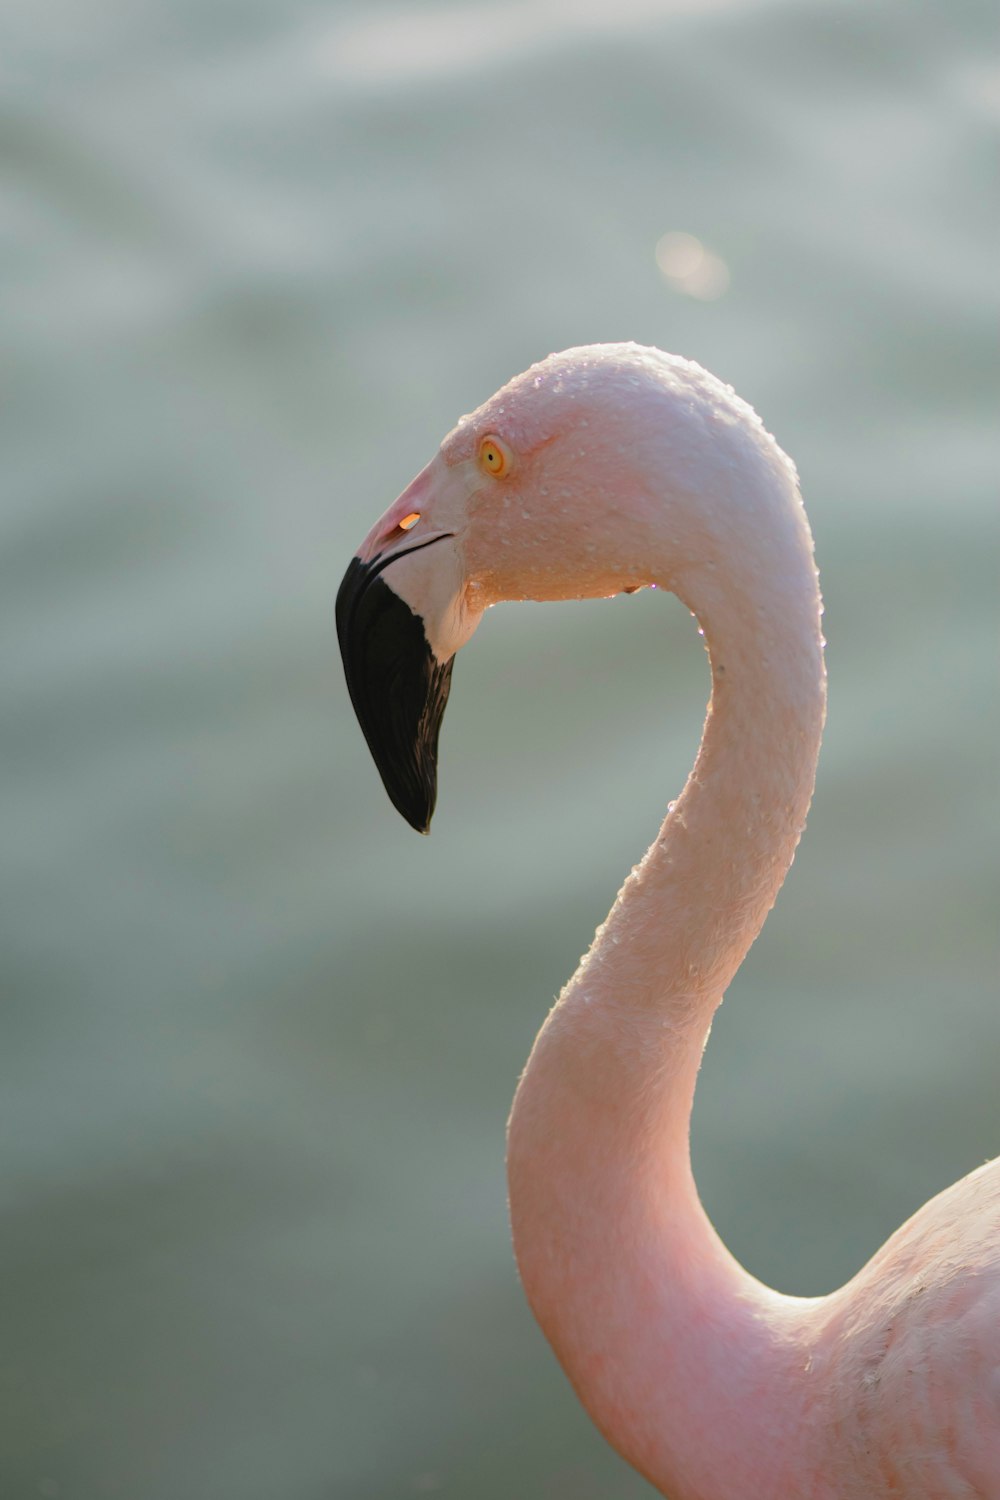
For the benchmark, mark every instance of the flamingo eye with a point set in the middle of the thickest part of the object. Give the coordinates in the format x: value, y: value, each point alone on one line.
x: 408, y: 522
x: 495, y: 457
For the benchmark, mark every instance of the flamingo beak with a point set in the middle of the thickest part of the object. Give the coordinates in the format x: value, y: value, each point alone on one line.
x: 397, y: 684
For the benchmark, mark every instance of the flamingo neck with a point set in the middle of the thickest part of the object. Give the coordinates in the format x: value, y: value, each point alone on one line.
x: 690, y: 1367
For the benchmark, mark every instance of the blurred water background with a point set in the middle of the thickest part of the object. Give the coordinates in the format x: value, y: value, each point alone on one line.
x: 258, y: 1039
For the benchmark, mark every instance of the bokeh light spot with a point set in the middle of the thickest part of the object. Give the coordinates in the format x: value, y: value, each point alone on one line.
x: 690, y: 267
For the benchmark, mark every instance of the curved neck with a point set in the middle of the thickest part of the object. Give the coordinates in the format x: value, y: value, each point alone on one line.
x: 691, y: 1368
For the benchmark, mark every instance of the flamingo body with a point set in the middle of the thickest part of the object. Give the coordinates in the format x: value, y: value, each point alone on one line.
x: 599, y: 470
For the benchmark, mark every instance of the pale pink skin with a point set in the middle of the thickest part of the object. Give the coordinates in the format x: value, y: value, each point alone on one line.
x: 632, y: 467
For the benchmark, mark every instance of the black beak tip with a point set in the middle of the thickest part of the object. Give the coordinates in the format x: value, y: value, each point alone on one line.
x: 417, y: 813
x: 398, y: 687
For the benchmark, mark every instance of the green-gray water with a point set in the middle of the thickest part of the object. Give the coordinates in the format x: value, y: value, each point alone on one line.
x: 259, y: 1039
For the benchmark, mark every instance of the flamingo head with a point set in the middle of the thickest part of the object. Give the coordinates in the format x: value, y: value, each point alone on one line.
x: 562, y: 485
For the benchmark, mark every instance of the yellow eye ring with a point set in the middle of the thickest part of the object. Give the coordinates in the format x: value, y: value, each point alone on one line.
x: 495, y: 458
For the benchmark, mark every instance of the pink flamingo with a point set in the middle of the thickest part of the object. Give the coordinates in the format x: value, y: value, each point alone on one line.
x: 599, y: 470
